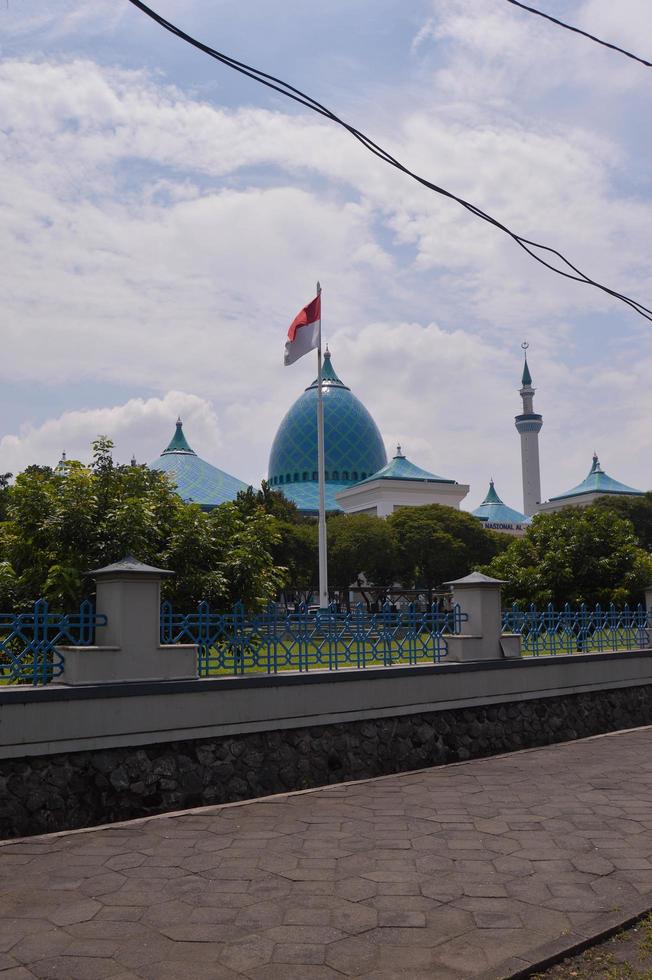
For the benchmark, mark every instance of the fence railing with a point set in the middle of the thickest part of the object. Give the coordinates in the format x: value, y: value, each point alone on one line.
x: 28, y: 641
x: 277, y: 640
x: 582, y: 629
x: 306, y: 639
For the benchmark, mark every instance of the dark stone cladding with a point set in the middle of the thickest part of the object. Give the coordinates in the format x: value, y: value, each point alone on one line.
x: 79, y: 789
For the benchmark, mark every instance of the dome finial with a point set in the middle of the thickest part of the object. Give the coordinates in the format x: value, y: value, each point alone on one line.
x: 399, y: 452
x: 328, y: 374
x: 527, y: 377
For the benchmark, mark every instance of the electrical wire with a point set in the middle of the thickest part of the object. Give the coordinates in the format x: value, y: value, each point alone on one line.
x: 577, y: 30
x: 296, y: 95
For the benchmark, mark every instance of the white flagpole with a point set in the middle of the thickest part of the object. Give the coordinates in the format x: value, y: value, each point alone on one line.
x: 321, y: 464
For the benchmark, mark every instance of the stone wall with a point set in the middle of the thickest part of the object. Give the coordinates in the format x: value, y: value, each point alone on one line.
x: 77, y: 789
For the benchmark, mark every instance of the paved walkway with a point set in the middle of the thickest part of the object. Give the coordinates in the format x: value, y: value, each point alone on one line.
x: 439, y: 874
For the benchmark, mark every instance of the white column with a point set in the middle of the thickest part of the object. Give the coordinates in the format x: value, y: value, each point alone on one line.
x: 481, y: 636
x: 129, y: 646
x: 531, y: 471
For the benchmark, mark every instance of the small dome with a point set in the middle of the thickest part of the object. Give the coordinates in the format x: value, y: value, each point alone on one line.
x: 197, y: 481
x: 400, y: 468
x: 354, y: 447
x: 598, y: 481
x: 494, y: 511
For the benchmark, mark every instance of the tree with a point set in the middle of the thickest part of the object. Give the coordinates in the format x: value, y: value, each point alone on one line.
x: 4, y: 493
x: 272, y: 502
x: 58, y: 527
x: 297, y: 551
x: 294, y: 546
x: 583, y: 554
x: 246, y: 542
x: 436, y: 544
x: 360, y: 544
x: 638, y: 510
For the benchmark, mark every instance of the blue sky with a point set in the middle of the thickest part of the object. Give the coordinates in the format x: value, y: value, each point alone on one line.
x: 164, y: 219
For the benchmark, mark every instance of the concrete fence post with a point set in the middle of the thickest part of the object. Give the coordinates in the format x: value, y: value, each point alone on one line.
x: 648, y: 599
x: 481, y: 636
x: 129, y: 646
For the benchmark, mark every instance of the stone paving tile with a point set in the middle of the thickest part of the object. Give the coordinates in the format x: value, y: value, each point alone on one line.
x: 441, y: 874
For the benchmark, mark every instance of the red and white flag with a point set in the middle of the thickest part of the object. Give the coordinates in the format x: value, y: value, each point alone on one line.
x: 304, y: 332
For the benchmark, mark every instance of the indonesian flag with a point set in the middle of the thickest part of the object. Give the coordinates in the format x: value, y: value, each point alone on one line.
x: 304, y: 332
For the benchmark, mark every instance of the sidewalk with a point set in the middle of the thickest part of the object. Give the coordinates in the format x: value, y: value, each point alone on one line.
x: 445, y: 873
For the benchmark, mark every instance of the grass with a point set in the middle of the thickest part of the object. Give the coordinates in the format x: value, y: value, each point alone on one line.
x: 625, y: 956
x: 296, y: 655
x: 313, y: 656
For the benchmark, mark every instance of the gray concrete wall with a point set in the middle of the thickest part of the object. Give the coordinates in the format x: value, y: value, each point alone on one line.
x: 55, y: 719
x: 78, y: 789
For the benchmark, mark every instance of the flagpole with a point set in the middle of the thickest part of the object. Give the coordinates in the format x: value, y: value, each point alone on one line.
x: 321, y: 466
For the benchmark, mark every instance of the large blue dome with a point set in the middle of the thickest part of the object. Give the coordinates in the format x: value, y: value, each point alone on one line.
x: 353, y: 444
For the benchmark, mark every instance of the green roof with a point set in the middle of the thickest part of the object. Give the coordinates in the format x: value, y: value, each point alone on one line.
x: 494, y: 511
x: 598, y: 481
x: 527, y: 377
x: 178, y: 443
x: 196, y: 480
x: 328, y: 374
x: 400, y: 468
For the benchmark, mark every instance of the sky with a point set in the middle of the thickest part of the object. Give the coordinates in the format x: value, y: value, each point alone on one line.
x: 163, y: 219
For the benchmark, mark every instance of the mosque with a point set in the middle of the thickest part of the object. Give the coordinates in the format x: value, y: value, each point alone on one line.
x: 359, y: 477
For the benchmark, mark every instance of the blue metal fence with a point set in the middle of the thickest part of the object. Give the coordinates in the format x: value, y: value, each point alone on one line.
x: 28, y: 641
x: 277, y: 640
x: 579, y: 630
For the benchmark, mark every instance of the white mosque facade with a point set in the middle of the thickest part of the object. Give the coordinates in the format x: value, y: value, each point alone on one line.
x: 359, y: 477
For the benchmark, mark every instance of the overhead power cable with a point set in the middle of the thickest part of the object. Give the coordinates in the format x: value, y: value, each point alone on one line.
x: 569, y: 271
x: 578, y: 30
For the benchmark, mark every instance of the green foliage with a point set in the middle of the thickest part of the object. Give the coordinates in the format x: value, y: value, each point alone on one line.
x: 360, y: 544
x: 638, y: 510
x: 8, y: 586
x: 272, y: 502
x: 435, y: 544
x: 56, y: 528
x: 4, y: 493
x: 246, y: 541
x: 297, y: 550
x: 583, y: 554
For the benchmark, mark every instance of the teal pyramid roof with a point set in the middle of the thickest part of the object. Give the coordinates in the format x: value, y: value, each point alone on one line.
x: 178, y: 443
x: 196, y: 480
x: 400, y: 468
x: 527, y: 377
x: 494, y: 511
x: 598, y: 481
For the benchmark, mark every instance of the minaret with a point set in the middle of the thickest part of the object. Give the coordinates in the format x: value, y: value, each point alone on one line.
x: 528, y: 426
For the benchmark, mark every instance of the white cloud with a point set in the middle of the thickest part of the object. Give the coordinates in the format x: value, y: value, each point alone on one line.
x: 23, y: 19
x: 135, y: 427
